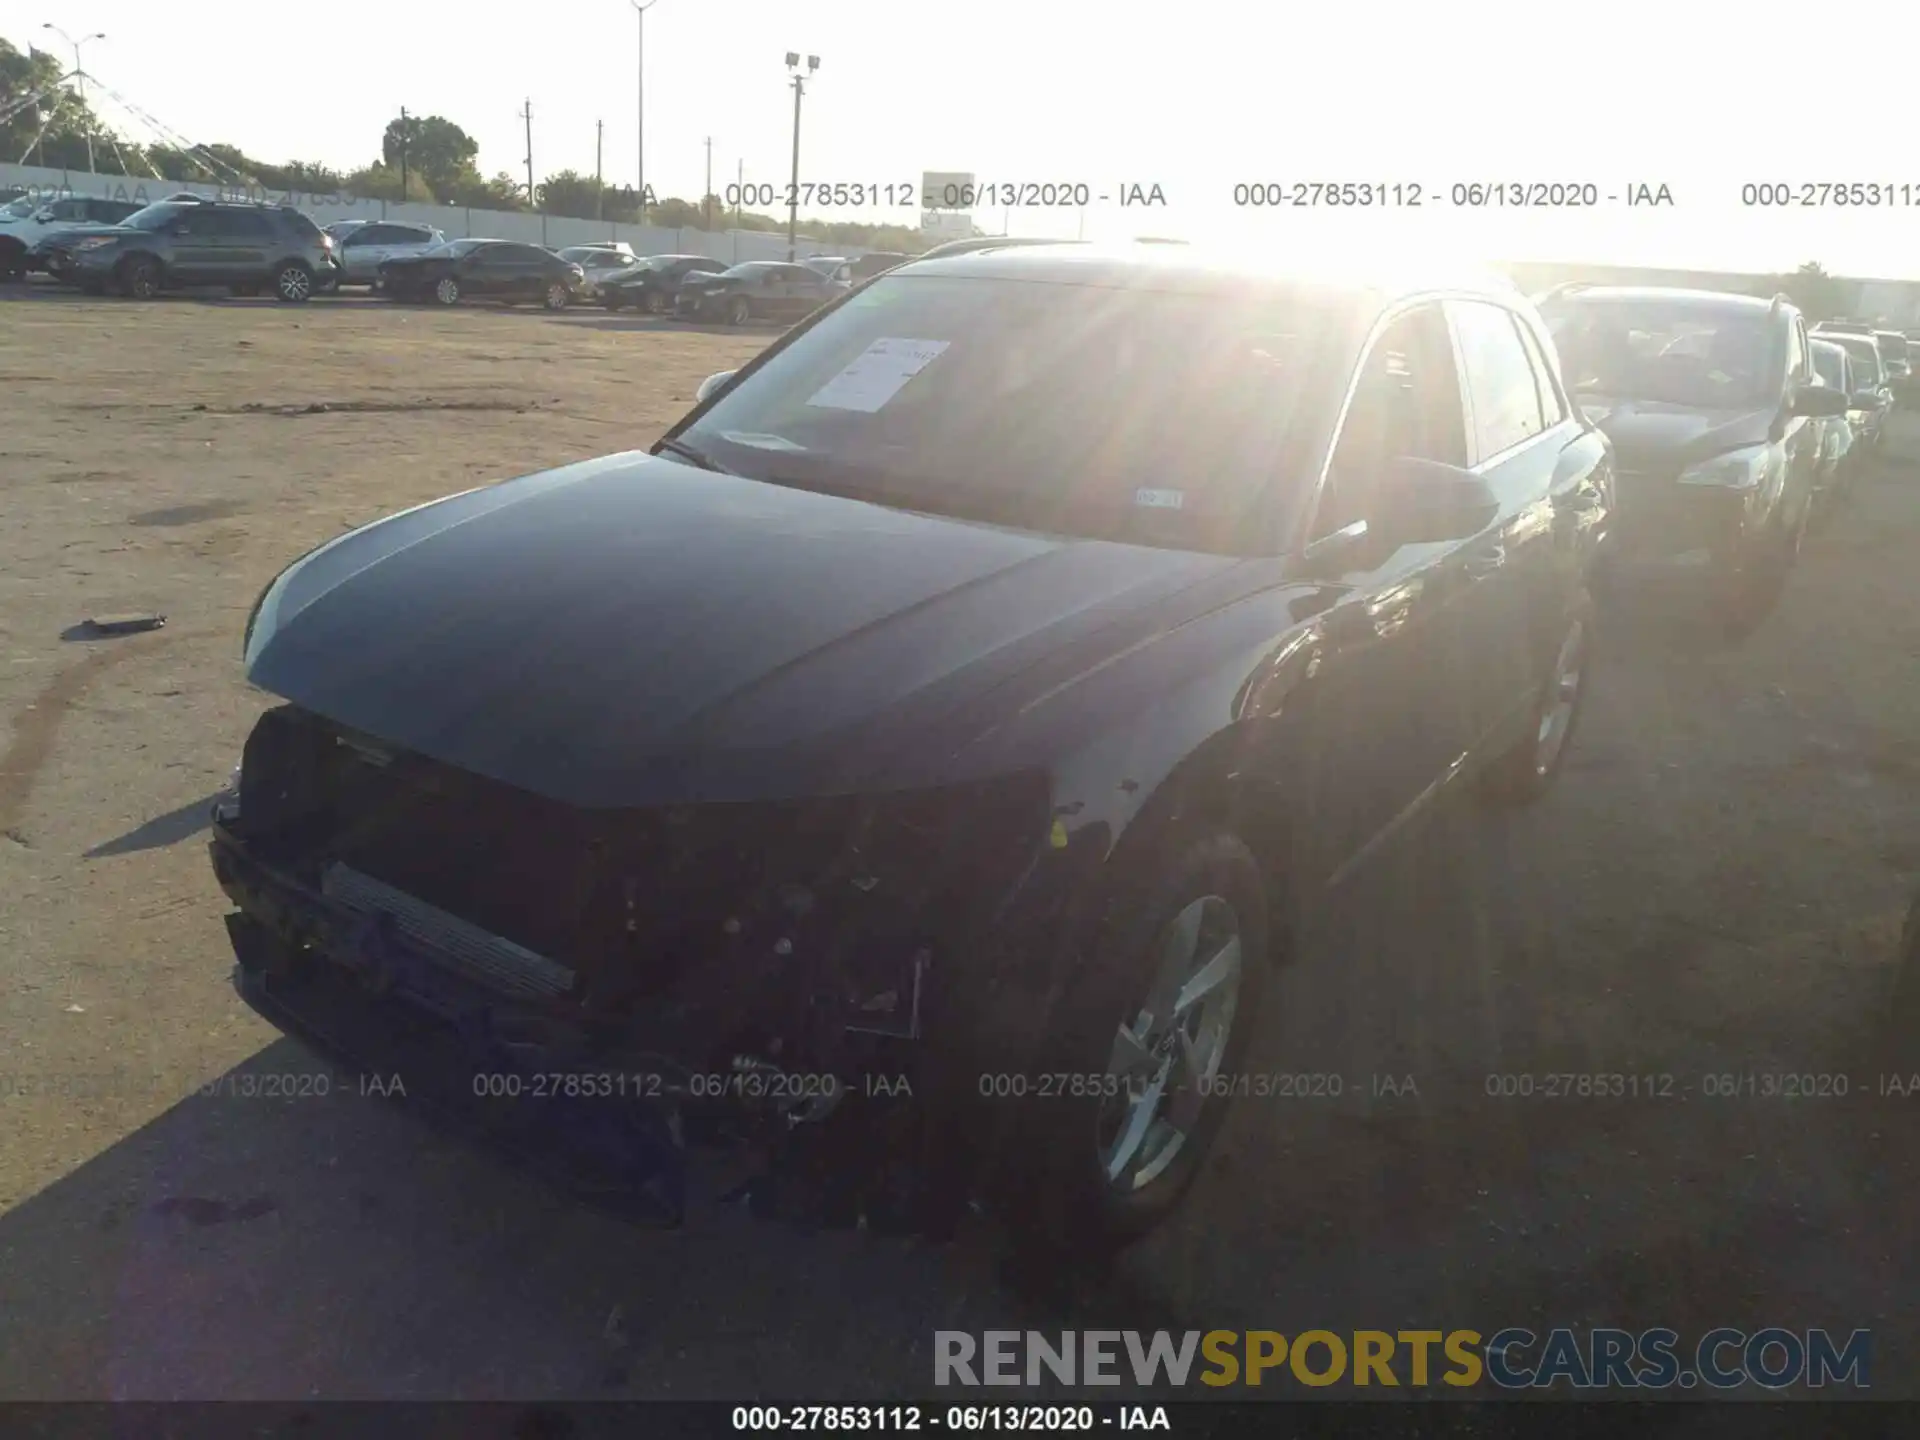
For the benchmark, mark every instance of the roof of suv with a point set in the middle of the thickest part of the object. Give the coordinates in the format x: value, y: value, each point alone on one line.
x: 1669, y: 295
x: 1196, y: 268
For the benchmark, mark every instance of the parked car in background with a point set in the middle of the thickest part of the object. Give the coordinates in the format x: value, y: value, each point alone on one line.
x: 24, y: 226
x: 246, y: 248
x: 949, y: 714
x: 1893, y: 350
x: 652, y: 284
x: 834, y: 267
x: 366, y: 248
x: 756, y: 290
x: 876, y: 262
x: 504, y: 270
x: 1872, y: 398
x: 1711, y: 401
x: 1838, y: 460
x: 599, y: 260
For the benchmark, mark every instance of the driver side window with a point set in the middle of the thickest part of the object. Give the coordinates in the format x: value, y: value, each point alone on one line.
x: 1406, y: 403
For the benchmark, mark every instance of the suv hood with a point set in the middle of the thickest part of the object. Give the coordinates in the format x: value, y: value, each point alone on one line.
x: 1650, y: 435
x: 633, y: 631
x: 75, y: 232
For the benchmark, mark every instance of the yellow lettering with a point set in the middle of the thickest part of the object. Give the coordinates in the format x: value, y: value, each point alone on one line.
x: 1420, y: 1341
x: 1336, y: 1350
x: 1371, y: 1351
x: 1265, y: 1349
x: 1215, y: 1346
x: 1471, y: 1367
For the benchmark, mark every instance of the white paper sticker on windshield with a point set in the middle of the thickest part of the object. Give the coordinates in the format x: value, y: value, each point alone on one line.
x: 877, y: 374
x: 1160, y: 499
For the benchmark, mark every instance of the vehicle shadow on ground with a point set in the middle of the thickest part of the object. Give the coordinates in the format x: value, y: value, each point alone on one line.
x: 163, y: 830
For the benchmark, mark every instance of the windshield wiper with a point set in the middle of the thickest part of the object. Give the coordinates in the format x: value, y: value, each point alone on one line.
x: 692, y: 456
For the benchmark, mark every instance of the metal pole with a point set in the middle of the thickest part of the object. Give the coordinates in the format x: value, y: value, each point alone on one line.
x: 532, y: 198
x: 403, y: 152
x: 793, y: 192
x: 640, y: 105
x: 706, y: 200
x: 599, y: 191
x: 80, y: 80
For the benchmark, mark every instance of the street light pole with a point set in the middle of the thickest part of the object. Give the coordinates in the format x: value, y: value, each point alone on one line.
x: 640, y: 103
x: 80, y: 77
x: 800, y: 79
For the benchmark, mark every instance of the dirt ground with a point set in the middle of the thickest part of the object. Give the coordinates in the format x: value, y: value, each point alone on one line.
x: 1713, y: 889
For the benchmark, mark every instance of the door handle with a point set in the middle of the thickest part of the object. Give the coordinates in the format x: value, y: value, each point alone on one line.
x: 1485, y: 561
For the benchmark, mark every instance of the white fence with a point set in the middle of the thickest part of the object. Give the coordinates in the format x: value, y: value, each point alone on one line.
x: 456, y: 221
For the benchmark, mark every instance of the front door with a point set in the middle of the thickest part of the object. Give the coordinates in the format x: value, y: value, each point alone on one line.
x: 1390, y: 714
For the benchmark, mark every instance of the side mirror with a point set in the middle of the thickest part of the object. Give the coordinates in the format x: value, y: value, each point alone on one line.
x: 711, y: 385
x: 1421, y: 502
x: 1819, y: 402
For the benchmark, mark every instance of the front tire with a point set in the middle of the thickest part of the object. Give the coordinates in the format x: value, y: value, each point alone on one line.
x: 1526, y: 772
x: 446, y: 290
x: 656, y: 303
x: 558, y: 296
x: 293, y: 284
x: 140, y: 278
x: 1162, y: 1006
x: 739, y: 311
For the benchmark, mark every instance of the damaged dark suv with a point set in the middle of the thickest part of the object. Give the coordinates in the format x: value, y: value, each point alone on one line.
x: 908, y: 774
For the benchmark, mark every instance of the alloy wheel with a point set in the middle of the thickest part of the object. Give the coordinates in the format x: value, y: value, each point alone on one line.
x: 1556, y: 717
x: 1166, y: 1058
x: 447, y: 292
x: 294, y: 284
x: 556, y: 296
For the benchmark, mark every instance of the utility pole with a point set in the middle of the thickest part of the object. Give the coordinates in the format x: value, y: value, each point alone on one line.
x: 533, y: 200
x: 739, y: 189
x: 403, y: 152
x: 793, y: 190
x: 599, y: 190
x: 706, y: 200
x: 80, y: 79
x: 640, y: 102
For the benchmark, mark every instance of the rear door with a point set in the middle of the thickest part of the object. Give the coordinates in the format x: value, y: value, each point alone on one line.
x: 1801, y: 436
x: 245, y: 245
x: 1510, y: 581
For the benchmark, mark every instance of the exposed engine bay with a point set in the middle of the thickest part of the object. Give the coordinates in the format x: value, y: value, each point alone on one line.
x: 619, y: 985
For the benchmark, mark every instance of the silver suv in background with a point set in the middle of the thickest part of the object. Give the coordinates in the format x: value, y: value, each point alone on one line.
x: 364, y: 249
x: 244, y: 248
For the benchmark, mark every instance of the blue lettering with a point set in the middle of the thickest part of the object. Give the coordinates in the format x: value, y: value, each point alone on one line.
x: 1612, y: 1349
x: 1560, y: 1359
x: 1851, y: 1364
x: 1502, y: 1371
x: 1706, y: 1358
x: 1792, y: 1351
x: 1657, y: 1352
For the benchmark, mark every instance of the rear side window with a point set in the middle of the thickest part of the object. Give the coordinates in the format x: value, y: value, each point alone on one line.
x: 246, y: 224
x: 298, y: 222
x: 1503, y: 391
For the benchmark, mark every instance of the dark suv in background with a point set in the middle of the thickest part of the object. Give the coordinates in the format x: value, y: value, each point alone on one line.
x: 174, y: 246
x: 1710, y: 400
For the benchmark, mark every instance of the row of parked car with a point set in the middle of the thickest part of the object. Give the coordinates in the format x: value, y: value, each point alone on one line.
x: 185, y: 241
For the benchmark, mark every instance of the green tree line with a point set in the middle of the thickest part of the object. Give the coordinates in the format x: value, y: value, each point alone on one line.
x: 423, y: 158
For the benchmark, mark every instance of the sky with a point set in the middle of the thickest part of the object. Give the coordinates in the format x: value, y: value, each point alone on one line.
x: 1196, y: 99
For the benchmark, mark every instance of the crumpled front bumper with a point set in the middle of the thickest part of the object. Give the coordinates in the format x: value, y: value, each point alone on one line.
x: 415, y: 1030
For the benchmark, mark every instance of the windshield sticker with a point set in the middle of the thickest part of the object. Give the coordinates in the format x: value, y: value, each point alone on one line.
x: 763, y: 442
x: 877, y: 374
x: 1160, y: 499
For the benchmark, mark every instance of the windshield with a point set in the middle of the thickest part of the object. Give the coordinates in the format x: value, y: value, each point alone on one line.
x: 1689, y: 355
x: 750, y: 268
x: 1140, y: 415
x: 154, y: 216
x: 1892, y: 347
x: 459, y: 247
x: 21, y: 208
x: 1831, y: 366
x: 1866, y: 359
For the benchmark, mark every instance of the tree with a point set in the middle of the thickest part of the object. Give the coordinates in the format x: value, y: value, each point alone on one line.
x: 435, y: 148
x: 378, y: 182
x: 61, y: 111
x: 499, y: 193
x: 1819, y: 295
x: 567, y: 192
